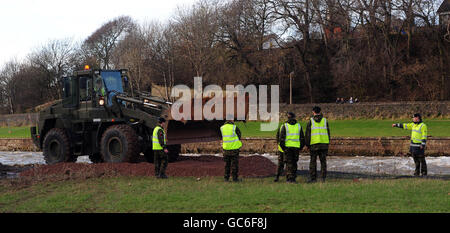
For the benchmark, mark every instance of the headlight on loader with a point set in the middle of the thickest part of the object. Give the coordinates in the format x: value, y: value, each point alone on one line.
x: 101, y: 101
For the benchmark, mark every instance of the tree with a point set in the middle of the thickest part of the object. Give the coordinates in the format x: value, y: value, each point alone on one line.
x: 55, y: 60
x: 99, y: 47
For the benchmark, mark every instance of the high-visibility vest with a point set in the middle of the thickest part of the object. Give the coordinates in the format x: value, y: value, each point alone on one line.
x: 101, y: 91
x: 292, y: 135
x: 229, y: 137
x: 418, y: 133
x: 279, y: 147
x: 155, y: 141
x: 319, y: 132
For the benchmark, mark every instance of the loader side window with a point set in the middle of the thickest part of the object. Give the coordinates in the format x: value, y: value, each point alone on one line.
x: 85, y: 89
x: 70, y: 94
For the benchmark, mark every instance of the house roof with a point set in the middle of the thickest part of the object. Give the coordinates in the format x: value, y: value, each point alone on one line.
x: 445, y: 6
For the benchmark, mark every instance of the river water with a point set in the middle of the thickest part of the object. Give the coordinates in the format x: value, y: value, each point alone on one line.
x: 349, y: 164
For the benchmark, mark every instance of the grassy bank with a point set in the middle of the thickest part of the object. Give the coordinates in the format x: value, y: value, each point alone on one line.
x: 339, y: 128
x: 15, y: 132
x: 147, y: 194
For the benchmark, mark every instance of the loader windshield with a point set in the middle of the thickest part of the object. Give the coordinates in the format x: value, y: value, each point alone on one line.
x: 113, y: 83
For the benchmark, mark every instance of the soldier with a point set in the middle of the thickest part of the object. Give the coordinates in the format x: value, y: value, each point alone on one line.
x: 291, y: 141
x: 418, y: 142
x: 317, y: 141
x: 231, y: 143
x: 159, y: 148
x: 280, y: 168
x: 98, y: 88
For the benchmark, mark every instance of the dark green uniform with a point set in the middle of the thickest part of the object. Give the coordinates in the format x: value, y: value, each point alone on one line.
x: 317, y: 150
x: 231, y: 157
x: 160, y: 158
x: 291, y: 154
x: 280, y: 167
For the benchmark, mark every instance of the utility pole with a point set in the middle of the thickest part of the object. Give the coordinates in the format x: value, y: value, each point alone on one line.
x: 290, y: 86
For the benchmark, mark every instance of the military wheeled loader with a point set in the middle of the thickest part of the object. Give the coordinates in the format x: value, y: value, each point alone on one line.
x: 102, y: 117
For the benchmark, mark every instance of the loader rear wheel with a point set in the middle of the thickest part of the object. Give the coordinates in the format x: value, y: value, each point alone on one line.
x: 119, y: 144
x: 57, y: 147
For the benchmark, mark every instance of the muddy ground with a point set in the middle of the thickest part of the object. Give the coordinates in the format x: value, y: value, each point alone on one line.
x: 192, y: 166
x: 255, y: 166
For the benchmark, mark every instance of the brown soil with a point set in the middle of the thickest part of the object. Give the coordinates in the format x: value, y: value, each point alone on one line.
x: 249, y: 166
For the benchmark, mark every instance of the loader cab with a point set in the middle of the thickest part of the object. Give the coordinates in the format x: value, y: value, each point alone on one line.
x: 93, y: 88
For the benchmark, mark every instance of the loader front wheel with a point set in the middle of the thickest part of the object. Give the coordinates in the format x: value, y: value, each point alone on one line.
x: 119, y: 144
x: 56, y: 147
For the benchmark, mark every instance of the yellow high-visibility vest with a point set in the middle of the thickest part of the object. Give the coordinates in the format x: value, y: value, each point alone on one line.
x: 155, y: 141
x: 292, y: 135
x: 229, y: 137
x: 319, y: 132
x: 418, y: 133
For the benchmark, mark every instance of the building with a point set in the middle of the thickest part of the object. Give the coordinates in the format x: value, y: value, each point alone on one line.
x: 444, y: 13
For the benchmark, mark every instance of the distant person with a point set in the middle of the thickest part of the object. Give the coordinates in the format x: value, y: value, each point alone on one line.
x: 356, y: 100
x: 231, y: 143
x: 342, y: 101
x: 338, y: 101
x: 350, y: 100
x: 419, y: 132
x: 317, y: 140
x: 159, y: 147
x: 291, y: 141
x: 98, y: 88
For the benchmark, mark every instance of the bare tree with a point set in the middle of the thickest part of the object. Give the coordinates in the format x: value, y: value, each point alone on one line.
x: 297, y: 17
x: 195, y: 29
x: 7, y: 83
x: 55, y: 60
x: 101, y: 44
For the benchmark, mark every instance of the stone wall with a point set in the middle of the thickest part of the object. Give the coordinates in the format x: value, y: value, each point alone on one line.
x: 372, y: 110
x: 18, y: 119
x: 17, y: 144
x: 344, y: 146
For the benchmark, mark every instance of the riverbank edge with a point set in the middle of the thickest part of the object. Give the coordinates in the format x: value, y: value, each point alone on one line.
x: 339, y: 146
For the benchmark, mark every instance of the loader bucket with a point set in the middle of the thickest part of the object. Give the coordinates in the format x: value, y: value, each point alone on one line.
x: 194, y: 131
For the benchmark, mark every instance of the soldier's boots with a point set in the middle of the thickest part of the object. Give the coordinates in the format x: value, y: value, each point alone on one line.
x: 163, y: 176
x: 276, y: 179
x: 291, y: 181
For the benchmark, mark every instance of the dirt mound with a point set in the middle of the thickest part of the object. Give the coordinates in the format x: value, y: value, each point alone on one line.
x: 201, y: 166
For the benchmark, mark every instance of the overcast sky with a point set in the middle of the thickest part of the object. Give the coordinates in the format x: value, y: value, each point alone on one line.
x: 28, y: 24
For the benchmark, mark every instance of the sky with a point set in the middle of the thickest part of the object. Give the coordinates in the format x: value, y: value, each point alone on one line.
x: 28, y: 24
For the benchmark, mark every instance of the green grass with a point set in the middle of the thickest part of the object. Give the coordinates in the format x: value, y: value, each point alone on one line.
x: 15, y: 132
x: 339, y: 128
x: 358, y: 128
x: 212, y: 195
